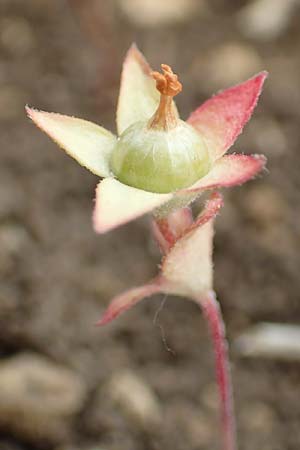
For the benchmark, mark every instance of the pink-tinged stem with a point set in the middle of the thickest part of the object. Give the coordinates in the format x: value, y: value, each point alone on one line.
x: 216, y: 325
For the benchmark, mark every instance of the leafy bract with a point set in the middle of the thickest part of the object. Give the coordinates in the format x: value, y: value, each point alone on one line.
x: 117, y: 203
x: 221, y: 118
x: 88, y: 143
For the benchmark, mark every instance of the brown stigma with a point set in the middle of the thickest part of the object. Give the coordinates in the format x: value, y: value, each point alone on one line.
x: 167, y: 82
x: 166, y: 116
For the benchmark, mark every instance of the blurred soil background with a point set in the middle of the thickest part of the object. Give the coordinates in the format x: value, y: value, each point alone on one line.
x: 140, y: 384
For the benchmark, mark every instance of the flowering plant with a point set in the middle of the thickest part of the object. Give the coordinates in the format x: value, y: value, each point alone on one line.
x: 160, y: 164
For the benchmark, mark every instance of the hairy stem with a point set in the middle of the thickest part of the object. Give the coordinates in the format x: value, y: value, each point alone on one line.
x: 216, y: 325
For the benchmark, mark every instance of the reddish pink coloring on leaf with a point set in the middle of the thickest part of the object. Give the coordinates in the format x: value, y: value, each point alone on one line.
x: 125, y: 301
x: 185, y: 229
x: 230, y: 170
x: 211, y: 209
x: 169, y: 229
x: 221, y: 119
x: 159, y: 237
x: 187, y: 267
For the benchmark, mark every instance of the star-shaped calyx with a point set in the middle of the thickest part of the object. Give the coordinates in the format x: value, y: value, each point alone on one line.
x: 157, y: 161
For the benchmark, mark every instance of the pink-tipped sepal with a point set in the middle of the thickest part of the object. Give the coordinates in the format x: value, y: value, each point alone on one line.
x: 128, y: 299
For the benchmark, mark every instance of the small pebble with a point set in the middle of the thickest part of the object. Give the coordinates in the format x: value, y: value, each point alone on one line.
x: 232, y: 63
x: 37, y: 397
x: 270, y: 340
x: 155, y: 13
x: 268, y: 136
x: 259, y: 417
x: 135, y: 398
x: 266, y: 19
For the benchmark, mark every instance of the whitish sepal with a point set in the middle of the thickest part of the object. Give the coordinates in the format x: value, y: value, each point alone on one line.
x: 88, y: 143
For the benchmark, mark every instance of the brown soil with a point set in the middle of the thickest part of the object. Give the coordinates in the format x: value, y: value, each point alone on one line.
x: 57, y: 275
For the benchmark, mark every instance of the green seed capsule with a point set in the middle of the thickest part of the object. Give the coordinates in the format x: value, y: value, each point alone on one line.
x: 159, y: 160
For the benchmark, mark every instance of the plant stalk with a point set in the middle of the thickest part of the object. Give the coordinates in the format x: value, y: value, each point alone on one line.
x: 216, y: 326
